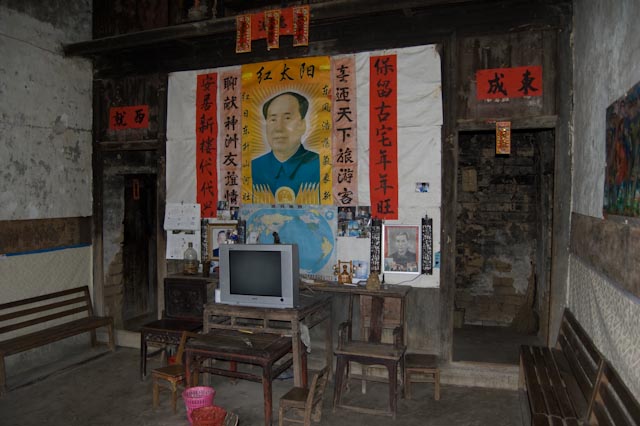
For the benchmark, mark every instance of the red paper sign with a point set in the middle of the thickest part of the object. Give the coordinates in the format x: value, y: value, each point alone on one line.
x: 207, y: 144
x: 301, y: 26
x: 503, y: 137
x: 243, y: 33
x: 502, y: 83
x: 272, y: 21
x: 383, y: 136
x: 129, y: 117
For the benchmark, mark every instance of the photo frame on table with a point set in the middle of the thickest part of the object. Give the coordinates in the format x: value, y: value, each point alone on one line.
x: 218, y: 233
x: 401, y: 249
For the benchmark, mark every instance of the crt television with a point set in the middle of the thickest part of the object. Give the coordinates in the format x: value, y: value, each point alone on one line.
x: 261, y: 275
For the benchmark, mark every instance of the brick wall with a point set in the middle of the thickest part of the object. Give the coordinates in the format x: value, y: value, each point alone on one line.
x: 496, y: 227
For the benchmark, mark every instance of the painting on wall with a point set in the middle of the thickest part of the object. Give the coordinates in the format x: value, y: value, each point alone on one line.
x: 622, y: 174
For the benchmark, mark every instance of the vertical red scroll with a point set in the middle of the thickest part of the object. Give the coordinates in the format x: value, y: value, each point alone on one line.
x: 243, y: 33
x: 230, y: 147
x: 383, y: 136
x: 206, y: 144
x: 345, y: 154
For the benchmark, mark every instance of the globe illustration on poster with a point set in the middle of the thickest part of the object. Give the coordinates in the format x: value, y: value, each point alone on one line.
x: 312, y: 228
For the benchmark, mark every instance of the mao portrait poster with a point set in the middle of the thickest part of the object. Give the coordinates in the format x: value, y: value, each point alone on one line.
x: 622, y: 173
x: 286, y: 140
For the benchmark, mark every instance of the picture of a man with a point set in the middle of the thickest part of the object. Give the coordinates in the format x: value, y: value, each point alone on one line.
x: 220, y: 239
x: 402, y: 259
x: 289, y: 170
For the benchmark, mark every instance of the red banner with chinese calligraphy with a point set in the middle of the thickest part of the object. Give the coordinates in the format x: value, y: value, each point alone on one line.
x: 206, y: 144
x: 129, y: 117
x: 230, y: 116
x: 300, y: 26
x: 503, y: 137
x: 243, y: 33
x: 272, y: 23
x: 345, y: 154
x: 383, y: 136
x: 502, y: 83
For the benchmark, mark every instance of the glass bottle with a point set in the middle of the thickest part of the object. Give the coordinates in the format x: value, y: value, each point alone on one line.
x: 190, y: 260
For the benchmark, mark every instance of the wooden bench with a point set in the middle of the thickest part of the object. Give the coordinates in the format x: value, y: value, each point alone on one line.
x: 24, y: 324
x: 560, y: 382
x: 613, y: 403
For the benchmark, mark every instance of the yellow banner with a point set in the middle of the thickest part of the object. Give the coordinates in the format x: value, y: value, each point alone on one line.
x: 286, y: 133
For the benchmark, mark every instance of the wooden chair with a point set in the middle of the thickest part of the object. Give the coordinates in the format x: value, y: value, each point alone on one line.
x: 304, y: 403
x: 173, y: 374
x: 423, y: 365
x: 372, y: 351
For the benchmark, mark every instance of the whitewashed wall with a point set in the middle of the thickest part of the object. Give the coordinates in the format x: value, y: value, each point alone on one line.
x: 606, y: 65
x: 45, y: 114
x: 45, y: 148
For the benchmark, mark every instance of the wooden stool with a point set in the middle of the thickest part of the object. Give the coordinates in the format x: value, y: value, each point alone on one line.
x: 424, y: 365
x: 173, y: 374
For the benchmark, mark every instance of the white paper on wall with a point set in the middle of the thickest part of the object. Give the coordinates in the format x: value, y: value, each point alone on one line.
x: 420, y: 119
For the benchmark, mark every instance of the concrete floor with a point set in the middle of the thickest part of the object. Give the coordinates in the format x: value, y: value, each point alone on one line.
x: 107, y: 391
x: 499, y: 345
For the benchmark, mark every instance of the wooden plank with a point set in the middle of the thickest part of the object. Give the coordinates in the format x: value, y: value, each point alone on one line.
x: 560, y: 392
x: 545, y: 383
x: 536, y: 396
x: 19, y: 236
x: 609, y: 246
x: 600, y: 416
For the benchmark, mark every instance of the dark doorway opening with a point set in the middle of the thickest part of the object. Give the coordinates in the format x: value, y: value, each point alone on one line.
x: 503, y: 245
x: 139, y: 251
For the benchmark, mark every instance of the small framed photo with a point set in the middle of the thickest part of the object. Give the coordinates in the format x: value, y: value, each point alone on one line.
x: 218, y: 233
x: 401, y: 249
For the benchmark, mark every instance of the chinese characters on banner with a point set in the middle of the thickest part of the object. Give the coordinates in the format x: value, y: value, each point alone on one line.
x: 500, y: 83
x: 206, y: 144
x: 270, y: 25
x: 383, y: 136
x: 300, y: 26
x: 345, y: 176
x: 243, y: 33
x: 231, y: 120
x: 503, y: 137
x: 286, y: 132
x: 129, y: 117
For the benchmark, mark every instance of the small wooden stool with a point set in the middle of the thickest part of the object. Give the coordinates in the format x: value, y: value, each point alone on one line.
x: 424, y: 365
x: 173, y: 374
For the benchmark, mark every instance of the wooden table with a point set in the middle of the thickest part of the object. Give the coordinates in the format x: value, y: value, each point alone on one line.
x: 262, y: 349
x: 312, y: 310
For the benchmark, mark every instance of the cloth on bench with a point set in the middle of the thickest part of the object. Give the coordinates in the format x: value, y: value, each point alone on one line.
x: 40, y: 319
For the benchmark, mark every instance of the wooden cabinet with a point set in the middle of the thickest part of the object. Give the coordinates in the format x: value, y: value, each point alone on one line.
x: 185, y: 296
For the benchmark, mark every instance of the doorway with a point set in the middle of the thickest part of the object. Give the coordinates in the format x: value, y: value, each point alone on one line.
x: 503, y: 244
x: 139, y: 251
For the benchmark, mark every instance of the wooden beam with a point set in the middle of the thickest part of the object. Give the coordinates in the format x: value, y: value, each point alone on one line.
x: 495, y: 15
x: 20, y: 236
x: 609, y: 247
x: 541, y: 122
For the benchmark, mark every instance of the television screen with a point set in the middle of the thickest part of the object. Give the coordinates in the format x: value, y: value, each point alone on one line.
x: 260, y: 275
x: 256, y: 273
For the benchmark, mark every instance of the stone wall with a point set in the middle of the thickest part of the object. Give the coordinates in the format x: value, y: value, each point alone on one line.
x: 497, y: 227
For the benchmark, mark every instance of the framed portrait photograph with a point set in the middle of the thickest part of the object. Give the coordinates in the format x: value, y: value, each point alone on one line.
x: 218, y: 233
x: 401, y: 249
